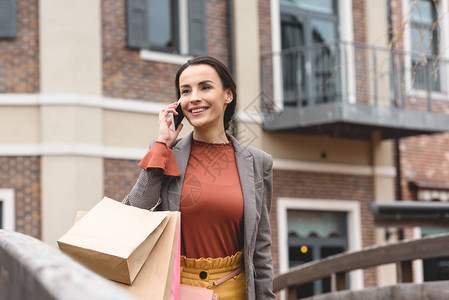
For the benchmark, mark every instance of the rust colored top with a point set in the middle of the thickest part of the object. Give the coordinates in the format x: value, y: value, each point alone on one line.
x: 211, y: 198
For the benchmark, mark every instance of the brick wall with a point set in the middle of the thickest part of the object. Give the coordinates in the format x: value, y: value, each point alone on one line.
x: 424, y: 158
x: 119, y: 177
x: 19, y: 57
x: 265, y: 26
x: 325, y: 186
x: 23, y: 175
x: 126, y: 75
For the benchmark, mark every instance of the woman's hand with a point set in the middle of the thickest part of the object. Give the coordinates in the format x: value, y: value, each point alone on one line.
x: 166, y: 134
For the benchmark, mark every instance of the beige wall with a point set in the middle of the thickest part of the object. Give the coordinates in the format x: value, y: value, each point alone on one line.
x: 70, y: 46
x: 71, y: 125
x: 69, y: 184
x: 70, y: 56
x: 377, y: 35
x: 20, y: 125
x: 247, y: 52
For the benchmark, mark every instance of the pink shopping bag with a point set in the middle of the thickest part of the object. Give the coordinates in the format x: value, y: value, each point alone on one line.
x: 176, y: 279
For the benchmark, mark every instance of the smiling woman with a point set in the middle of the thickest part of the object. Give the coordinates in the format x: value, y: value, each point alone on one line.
x: 204, y: 101
x: 222, y: 188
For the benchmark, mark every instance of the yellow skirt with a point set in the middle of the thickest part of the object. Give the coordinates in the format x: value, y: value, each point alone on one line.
x: 204, y: 271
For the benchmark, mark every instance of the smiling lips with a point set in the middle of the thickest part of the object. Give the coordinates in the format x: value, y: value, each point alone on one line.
x: 198, y: 110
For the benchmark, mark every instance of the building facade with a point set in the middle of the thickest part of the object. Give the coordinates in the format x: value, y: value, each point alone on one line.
x: 337, y: 91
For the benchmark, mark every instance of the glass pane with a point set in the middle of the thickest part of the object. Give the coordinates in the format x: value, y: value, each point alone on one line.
x: 325, y: 252
x: 422, y: 12
x: 320, y: 6
x: 425, y: 69
x: 324, y: 60
x: 316, y: 224
x: 293, y: 66
x: 436, y: 268
x: 423, y: 41
x: 292, y: 32
x: 298, y: 255
x: 323, y: 31
x: 161, y: 23
x: 433, y: 231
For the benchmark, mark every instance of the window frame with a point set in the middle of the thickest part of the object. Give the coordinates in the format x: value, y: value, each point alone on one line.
x: 183, y: 41
x: 308, y: 17
x: 345, y: 33
x: 8, y: 209
x: 443, y: 43
x: 354, y: 230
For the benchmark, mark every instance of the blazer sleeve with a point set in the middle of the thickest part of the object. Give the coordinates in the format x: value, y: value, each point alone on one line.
x: 262, y: 255
x: 147, y: 190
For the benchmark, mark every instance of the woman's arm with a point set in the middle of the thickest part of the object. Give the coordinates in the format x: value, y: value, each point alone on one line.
x: 263, y: 264
x: 158, y: 161
x: 147, y: 190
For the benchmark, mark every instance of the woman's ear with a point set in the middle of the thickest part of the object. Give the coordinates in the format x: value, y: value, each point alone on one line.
x: 229, y: 96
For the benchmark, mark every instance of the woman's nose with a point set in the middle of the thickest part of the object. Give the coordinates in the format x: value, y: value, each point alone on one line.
x: 194, y: 97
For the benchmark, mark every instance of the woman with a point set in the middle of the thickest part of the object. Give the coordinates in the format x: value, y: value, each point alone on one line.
x: 222, y: 188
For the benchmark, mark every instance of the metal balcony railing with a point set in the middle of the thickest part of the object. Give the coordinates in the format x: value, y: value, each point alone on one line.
x: 354, y: 73
x: 329, y: 88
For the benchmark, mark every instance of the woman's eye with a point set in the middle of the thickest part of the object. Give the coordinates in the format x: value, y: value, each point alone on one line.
x: 205, y: 87
x: 184, y: 91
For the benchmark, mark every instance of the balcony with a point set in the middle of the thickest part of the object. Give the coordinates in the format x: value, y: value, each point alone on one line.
x: 349, y: 90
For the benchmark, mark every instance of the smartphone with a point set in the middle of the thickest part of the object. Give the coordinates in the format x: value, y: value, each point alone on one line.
x: 177, y: 119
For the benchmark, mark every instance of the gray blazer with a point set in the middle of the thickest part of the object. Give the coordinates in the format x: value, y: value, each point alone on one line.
x: 255, y: 171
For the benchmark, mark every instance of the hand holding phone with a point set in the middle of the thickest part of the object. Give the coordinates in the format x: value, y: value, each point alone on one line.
x: 169, y: 123
x: 177, y: 119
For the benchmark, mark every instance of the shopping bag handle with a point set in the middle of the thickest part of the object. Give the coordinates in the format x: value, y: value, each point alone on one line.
x: 126, y: 202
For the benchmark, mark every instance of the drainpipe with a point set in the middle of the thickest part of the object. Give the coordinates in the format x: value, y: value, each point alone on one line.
x: 397, y: 149
x: 230, y: 37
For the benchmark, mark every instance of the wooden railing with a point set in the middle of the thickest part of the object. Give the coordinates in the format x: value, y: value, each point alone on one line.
x: 402, y: 253
x: 31, y: 269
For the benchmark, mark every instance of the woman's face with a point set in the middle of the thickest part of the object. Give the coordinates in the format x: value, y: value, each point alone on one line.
x: 203, y: 98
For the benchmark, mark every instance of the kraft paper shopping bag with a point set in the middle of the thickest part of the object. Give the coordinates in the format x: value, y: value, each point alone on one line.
x: 159, y: 273
x: 114, y: 240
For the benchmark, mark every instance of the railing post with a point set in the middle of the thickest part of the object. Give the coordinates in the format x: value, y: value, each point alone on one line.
x: 292, y: 293
x: 404, y: 271
x: 338, y: 281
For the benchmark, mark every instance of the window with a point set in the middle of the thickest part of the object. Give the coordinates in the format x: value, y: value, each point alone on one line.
x: 8, y: 19
x: 314, y: 235
x: 309, y: 230
x: 424, y: 42
x: 168, y: 26
x: 309, y: 31
x: 7, y: 211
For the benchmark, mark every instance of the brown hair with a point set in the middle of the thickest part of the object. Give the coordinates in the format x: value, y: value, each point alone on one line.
x: 226, y: 79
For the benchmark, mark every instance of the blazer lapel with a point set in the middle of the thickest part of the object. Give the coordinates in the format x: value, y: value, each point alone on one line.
x: 245, y: 167
x: 181, y: 151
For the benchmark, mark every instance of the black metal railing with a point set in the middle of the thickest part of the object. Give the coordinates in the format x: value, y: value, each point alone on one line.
x: 352, y: 72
